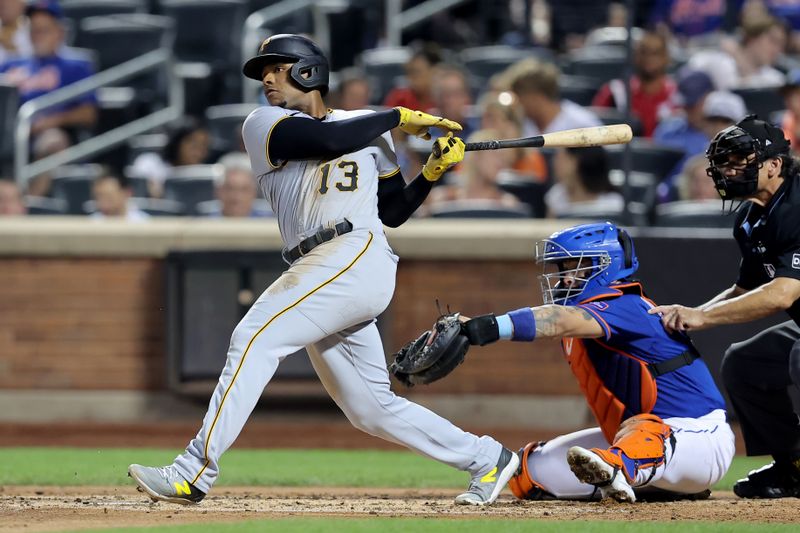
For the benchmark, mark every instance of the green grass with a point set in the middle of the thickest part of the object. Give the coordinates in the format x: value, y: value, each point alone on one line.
x: 361, y: 468
x: 409, y: 525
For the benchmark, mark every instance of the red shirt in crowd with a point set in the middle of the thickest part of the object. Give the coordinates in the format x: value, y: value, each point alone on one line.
x: 644, y: 105
x: 403, y: 96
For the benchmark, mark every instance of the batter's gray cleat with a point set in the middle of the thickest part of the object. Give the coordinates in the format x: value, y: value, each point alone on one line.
x: 589, y: 467
x: 484, y: 489
x: 165, y: 484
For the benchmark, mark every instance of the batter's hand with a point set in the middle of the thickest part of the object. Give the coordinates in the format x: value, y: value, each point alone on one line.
x: 418, y: 123
x: 450, y: 151
x: 679, y: 318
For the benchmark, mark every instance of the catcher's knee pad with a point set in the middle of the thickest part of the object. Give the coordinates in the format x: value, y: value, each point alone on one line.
x: 522, y: 484
x: 639, y: 443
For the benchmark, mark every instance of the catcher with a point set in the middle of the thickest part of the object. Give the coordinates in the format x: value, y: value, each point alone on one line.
x: 662, y: 423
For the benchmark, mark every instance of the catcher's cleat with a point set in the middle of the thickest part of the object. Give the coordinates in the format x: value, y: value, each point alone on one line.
x: 484, y: 488
x: 771, y: 481
x: 165, y: 484
x: 591, y: 468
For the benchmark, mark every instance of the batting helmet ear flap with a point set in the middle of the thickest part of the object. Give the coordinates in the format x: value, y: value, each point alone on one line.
x: 627, y: 247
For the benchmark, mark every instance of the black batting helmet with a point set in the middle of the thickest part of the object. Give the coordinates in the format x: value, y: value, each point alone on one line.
x: 749, y: 136
x: 308, y: 60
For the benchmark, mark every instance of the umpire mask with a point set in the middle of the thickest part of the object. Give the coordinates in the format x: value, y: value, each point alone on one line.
x: 743, y: 148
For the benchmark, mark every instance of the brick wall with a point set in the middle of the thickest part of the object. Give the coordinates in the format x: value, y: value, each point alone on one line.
x: 97, y: 323
x: 81, y: 323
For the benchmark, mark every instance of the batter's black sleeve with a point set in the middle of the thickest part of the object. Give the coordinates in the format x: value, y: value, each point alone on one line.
x: 398, y: 201
x: 305, y: 138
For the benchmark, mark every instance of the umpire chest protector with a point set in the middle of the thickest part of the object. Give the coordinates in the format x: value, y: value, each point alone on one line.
x: 617, y: 385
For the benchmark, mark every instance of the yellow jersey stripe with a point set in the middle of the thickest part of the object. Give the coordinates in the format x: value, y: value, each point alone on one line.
x: 389, y: 175
x: 252, y: 340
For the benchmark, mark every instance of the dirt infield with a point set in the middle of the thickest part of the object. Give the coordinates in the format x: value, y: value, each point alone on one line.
x: 39, y: 509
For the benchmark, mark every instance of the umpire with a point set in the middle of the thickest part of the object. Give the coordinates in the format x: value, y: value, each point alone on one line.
x: 751, y: 167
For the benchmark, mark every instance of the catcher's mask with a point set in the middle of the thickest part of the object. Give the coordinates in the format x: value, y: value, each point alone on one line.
x: 736, y: 154
x: 581, y: 261
x: 310, y: 69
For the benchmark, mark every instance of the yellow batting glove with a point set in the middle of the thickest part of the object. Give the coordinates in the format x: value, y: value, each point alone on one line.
x: 447, y: 151
x: 418, y: 123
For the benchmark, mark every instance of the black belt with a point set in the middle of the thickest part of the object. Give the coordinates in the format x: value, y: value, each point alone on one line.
x: 323, y: 235
x: 674, y: 363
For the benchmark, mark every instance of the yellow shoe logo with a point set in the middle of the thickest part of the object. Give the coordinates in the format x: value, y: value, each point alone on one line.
x: 490, y: 477
x: 184, y: 489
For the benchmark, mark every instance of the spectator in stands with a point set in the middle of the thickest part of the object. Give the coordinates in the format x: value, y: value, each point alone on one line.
x: 238, y: 190
x: 790, y: 122
x: 581, y: 183
x: 686, y: 128
x: 749, y: 64
x: 353, y: 92
x: 47, y: 143
x: 452, y: 97
x: 112, y: 194
x: 419, y: 74
x: 188, y: 143
x: 651, y: 87
x: 536, y: 88
x: 720, y: 110
x: 694, y: 183
x: 15, y: 35
x: 11, y: 203
x: 690, y: 19
x: 476, y: 177
x: 51, y: 68
x: 499, y: 113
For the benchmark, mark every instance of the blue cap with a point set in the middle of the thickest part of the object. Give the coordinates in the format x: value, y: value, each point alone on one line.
x: 693, y: 85
x: 45, y: 6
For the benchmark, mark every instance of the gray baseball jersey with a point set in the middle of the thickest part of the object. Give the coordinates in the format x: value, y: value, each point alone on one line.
x: 325, y: 302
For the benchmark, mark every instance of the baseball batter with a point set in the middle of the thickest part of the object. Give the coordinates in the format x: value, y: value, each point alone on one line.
x: 662, y: 421
x: 332, y: 179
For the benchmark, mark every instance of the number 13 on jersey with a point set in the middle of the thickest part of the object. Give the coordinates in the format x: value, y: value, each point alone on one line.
x: 349, y: 181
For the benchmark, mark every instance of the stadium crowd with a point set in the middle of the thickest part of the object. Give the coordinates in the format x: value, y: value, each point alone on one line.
x: 501, y: 69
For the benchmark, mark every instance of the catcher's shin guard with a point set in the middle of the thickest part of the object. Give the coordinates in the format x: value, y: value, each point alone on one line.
x: 522, y: 485
x: 640, y: 443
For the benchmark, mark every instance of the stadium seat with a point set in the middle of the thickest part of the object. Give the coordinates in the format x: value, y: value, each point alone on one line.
x: 120, y: 38
x: 42, y: 205
x: 483, y: 62
x: 384, y: 68
x: 192, y: 184
x: 526, y: 189
x: 646, y: 156
x: 156, y: 207
x: 611, y: 36
x: 478, y: 209
x: 763, y: 101
x: 209, y: 32
x: 139, y: 186
x: 149, y: 142
x: 77, y: 10
x: 693, y: 214
x: 578, y: 89
x: 213, y: 208
x: 589, y: 214
x: 9, y: 103
x: 225, y: 125
x: 602, y: 69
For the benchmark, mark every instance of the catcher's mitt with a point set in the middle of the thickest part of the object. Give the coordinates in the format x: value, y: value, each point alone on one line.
x: 433, y: 355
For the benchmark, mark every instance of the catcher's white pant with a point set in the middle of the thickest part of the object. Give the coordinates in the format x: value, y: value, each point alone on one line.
x: 327, y: 302
x: 703, y: 452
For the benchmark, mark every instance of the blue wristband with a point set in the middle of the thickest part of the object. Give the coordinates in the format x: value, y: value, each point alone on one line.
x: 504, y: 327
x: 524, y: 324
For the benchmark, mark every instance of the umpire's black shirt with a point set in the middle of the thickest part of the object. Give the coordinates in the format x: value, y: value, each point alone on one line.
x: 769, y: 240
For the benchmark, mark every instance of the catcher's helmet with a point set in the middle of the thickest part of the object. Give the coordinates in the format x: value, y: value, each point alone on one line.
x: 604, y: 252
x: 748, y: 137
x: 308, y: 60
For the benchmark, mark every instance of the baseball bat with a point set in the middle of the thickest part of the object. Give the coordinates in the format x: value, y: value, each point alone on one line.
x: 593, y: 136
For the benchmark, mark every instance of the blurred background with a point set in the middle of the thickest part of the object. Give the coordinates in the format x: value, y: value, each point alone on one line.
x: 133, y: 235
